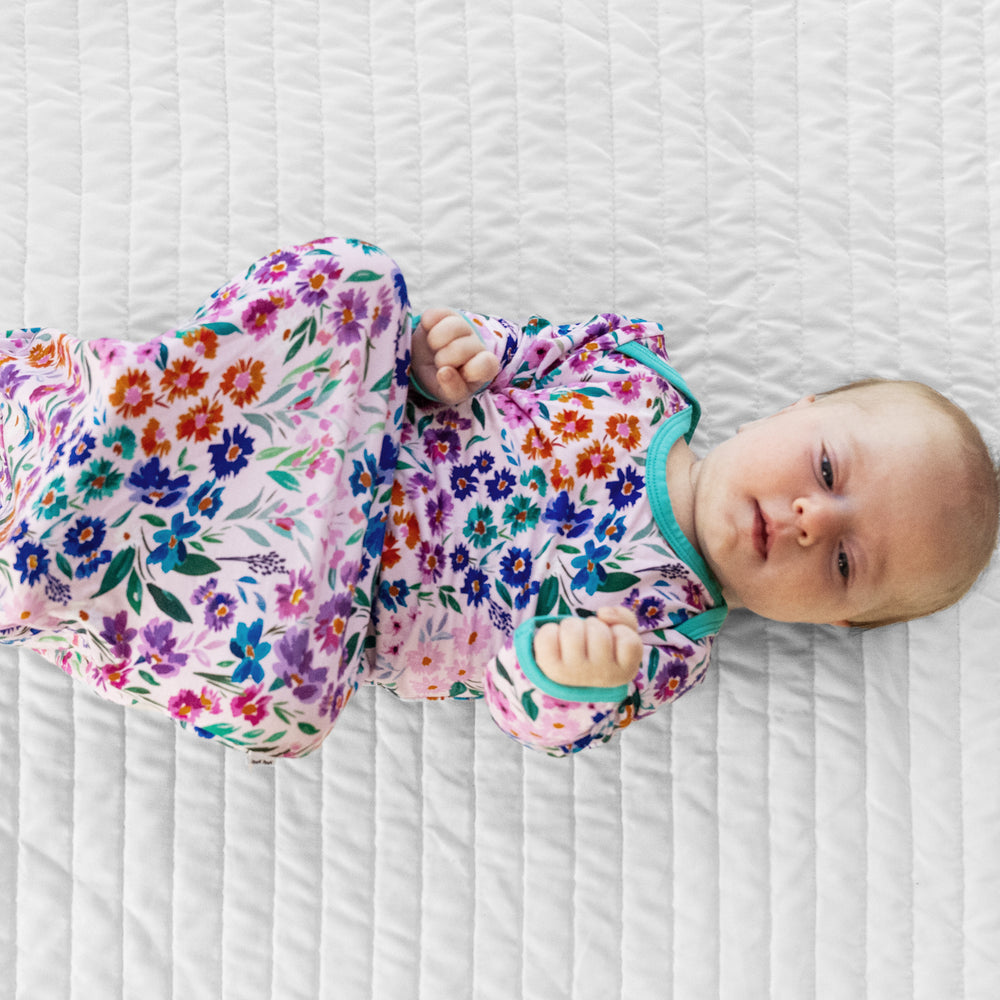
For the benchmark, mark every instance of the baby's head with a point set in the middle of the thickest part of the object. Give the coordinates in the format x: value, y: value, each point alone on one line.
x: 877, y: 502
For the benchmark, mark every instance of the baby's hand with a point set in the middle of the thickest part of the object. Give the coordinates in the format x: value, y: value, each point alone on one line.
x: 449, y: 359
x: 600, y: 651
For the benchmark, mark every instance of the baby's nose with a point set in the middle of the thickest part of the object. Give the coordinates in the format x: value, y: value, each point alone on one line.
x: 815, y: 519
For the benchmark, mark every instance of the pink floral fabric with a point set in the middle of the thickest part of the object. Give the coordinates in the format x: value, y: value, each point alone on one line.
x: 240, y: 521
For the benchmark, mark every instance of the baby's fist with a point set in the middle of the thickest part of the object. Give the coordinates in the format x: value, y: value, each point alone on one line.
x: 603, y: 650
x: 449, y: 360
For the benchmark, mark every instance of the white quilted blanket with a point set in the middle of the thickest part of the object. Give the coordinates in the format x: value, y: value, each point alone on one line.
x: 802, y: 193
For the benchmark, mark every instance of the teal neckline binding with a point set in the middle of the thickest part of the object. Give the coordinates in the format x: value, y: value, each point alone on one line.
x: 708, y: 622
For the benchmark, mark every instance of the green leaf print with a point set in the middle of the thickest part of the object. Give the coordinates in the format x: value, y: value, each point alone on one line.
x: 285, y: 479
x: 117, y: 571
x: 548, y: 594
x: 195, y: 565
x: 529, y: 705
x: 308, y: 728
x: 168, y: 603
x: 618, y: 581
x: 364, y: 276
x: 134, y: 592
x: 63, y: 563
x: 156, y: 522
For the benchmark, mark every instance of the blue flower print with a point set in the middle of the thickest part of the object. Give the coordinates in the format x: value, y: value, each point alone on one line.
x: 171, y: 549
x: 562, y: 514
x: 476, y: 587
x: 626, y: 489
x: 515, y: 567
x: 248, y: 646
x: 85, y: 536
x: 205, y: 500
x: 393, y: 594
x: 591, y: 574
x: 463, y: 481
x: 230, y: 455
x: 32, y: 562
x: 151, y: 484
x: 80, y: 451
x: 500, y: 486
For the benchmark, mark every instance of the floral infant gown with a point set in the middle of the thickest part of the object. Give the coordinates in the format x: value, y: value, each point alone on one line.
x: 239, y: 522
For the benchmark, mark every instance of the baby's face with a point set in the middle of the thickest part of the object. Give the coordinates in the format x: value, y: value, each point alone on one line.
x: 832, y: 511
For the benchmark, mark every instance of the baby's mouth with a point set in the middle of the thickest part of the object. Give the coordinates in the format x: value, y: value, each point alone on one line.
x: 760, y: 539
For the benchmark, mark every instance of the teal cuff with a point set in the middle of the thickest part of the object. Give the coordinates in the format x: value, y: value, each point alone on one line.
x: 524, y: 647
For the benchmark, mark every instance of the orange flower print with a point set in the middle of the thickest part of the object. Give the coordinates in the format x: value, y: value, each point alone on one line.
x: 154, y: 438
x: 203, y: 340
x: 132, y: 394
x: 390, y: 551
x: 624, y: 428
x: 571, y: 425
x: 536, y: 444
x: 560, y: 477
x: 201, y: 422
x: 596, y: 461
x: 42, y: 355
x: 183, y: 378
x: 409, y: 527
x: 243, y: 381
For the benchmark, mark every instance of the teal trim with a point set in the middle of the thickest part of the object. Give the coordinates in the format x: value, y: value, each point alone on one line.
x: 646, y: 356
x: 659, y: 498
x: 710, y: 621
x: 524, y: 647
x: 701, y: 626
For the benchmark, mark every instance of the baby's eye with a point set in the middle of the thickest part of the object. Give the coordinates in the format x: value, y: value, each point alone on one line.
x: 826, y: 470
x: 843, y: 564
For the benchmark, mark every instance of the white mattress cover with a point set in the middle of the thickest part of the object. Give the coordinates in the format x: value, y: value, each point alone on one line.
x: 802, y: 193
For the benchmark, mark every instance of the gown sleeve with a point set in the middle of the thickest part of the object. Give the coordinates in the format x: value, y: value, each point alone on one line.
x: 560, y: 720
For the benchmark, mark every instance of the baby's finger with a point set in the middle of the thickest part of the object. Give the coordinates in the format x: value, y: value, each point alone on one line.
x: 600, y: 640
x: 628, y: 649
x: 450, y: 328
x: 480, y: 369
x: 617, y: 614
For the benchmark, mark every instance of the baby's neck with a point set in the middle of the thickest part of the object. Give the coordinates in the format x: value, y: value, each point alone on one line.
x: 680, y: 484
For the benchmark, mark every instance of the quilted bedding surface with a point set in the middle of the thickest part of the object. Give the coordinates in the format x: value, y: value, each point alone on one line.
x: 802, y: 193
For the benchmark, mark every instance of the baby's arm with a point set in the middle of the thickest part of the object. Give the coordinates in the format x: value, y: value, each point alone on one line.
x: 449, y: 360
x: 603, y: 650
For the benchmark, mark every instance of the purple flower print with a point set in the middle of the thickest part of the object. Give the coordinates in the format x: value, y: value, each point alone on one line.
x: 277, y: 267
x: 159, y: 648
x: 295, y: 665
x: 351, y: 309
x: 442, y: 445
x: 117, y: 632
x: 312, y: 285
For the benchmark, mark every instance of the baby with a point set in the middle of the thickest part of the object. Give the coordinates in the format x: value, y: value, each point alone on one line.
x: 239, y: 522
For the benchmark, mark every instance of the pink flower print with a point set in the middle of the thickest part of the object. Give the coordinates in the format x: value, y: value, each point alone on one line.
x: 500, y: 706
x: 114, y: 674
x: 626, y: 389
x: 251, y: 706
x: 472, y: 636
x: 260, y: 318
x: 220, y: 303
x: 294, y: 596
x: 185, y: 706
